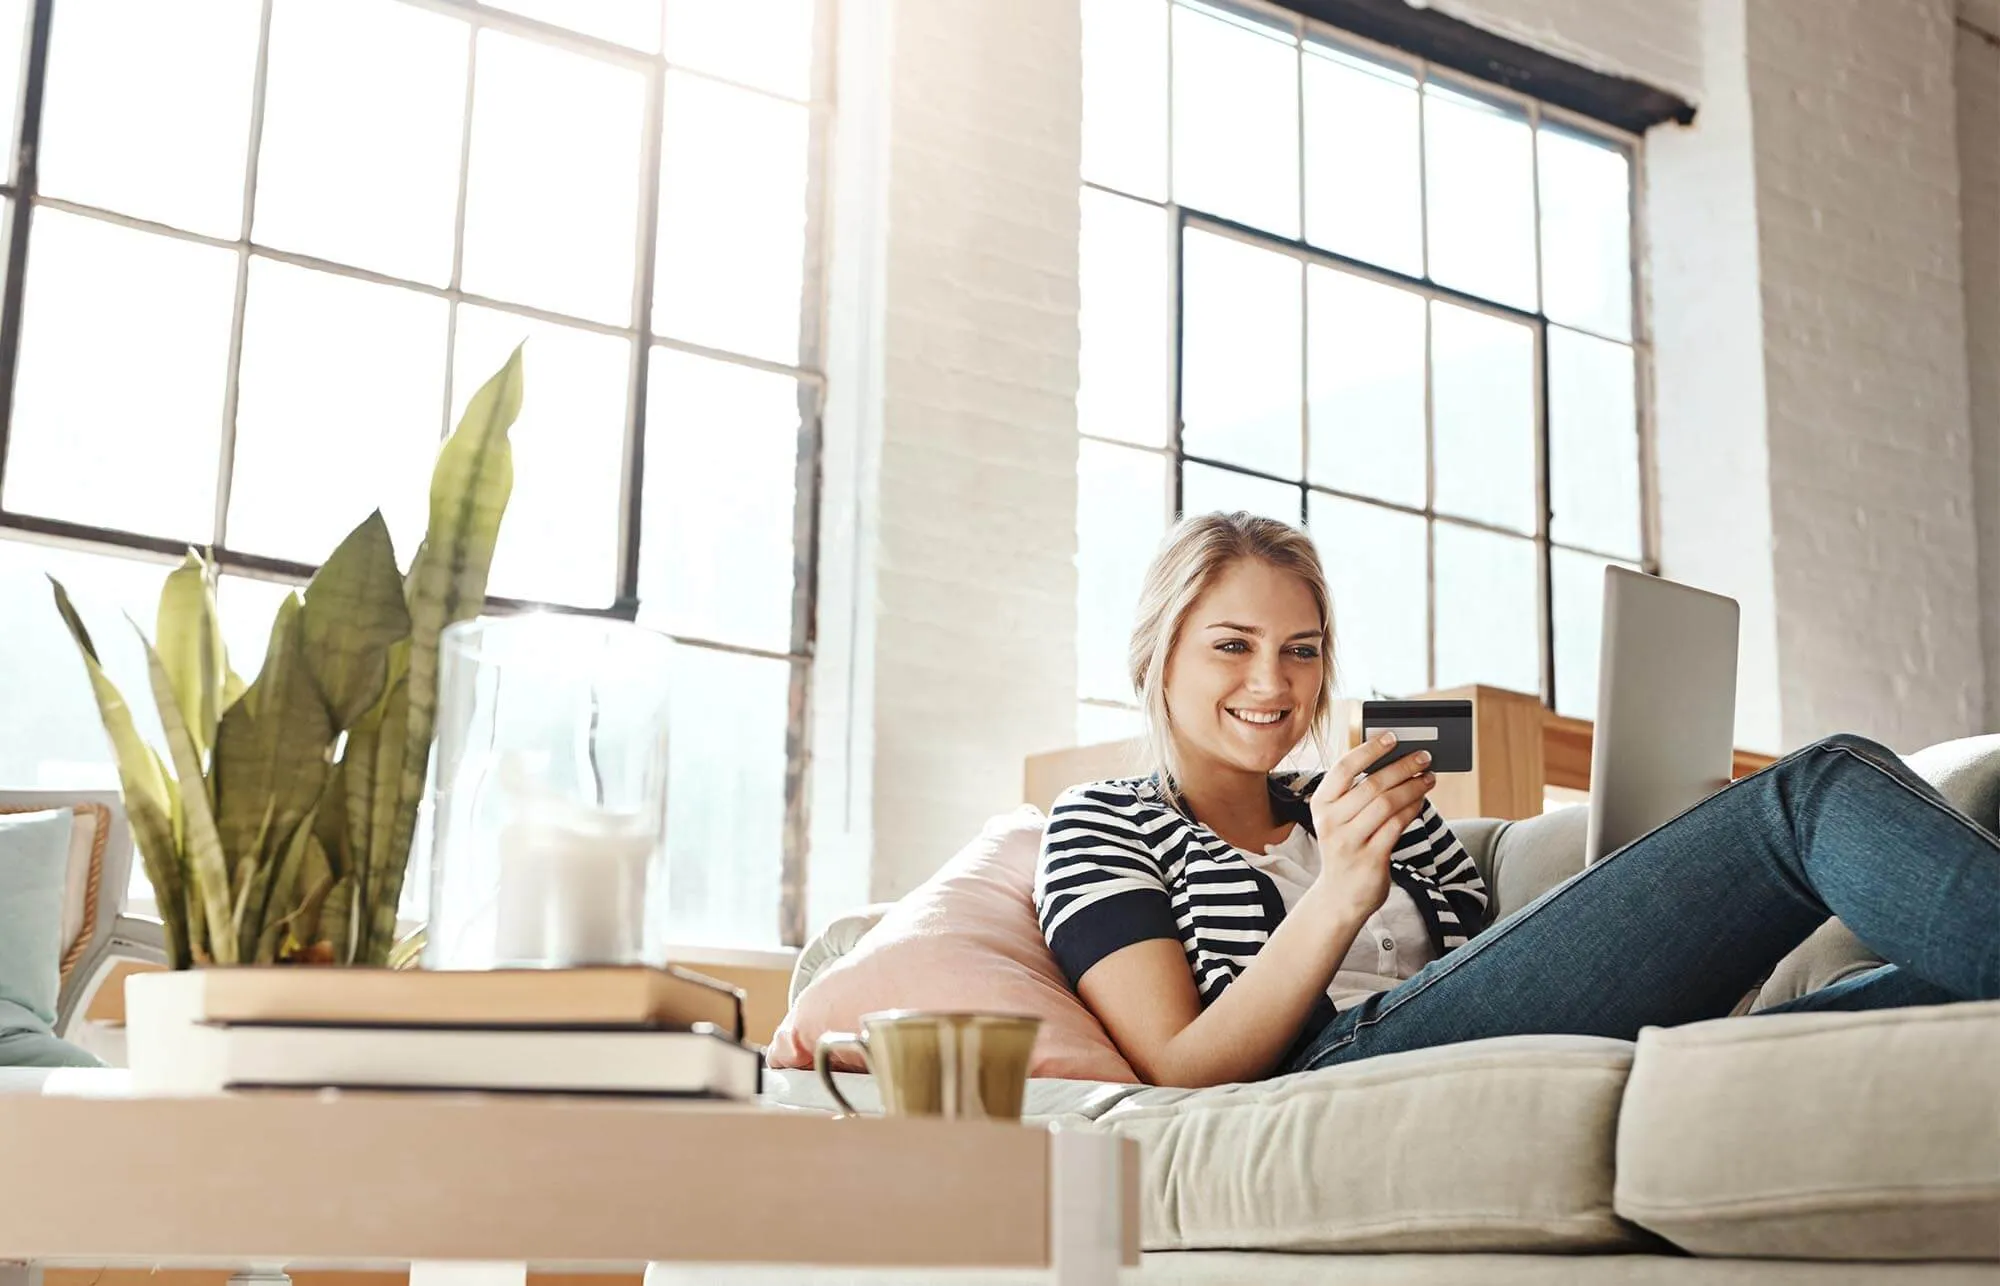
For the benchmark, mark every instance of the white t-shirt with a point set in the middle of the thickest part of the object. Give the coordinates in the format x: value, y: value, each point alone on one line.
x: 1392, y: 944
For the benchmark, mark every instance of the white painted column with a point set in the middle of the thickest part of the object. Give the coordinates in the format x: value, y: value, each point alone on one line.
x: 947, y: 582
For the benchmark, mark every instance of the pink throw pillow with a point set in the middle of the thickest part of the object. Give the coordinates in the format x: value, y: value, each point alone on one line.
x: 966, y: 938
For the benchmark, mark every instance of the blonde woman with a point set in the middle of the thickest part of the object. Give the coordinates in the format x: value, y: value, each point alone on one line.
x: 1226, y: 921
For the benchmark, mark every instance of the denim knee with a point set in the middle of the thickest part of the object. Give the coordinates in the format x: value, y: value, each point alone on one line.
x: 1858, y: 744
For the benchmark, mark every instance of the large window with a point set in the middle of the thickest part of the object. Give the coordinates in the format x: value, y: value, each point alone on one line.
x: 262, y: 252
x: 1331, y: 283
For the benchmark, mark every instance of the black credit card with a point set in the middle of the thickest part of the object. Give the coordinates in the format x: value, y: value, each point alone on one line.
x: 1442, y: 727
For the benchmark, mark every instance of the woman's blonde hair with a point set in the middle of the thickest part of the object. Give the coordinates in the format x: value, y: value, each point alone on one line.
x: 1190, y: 559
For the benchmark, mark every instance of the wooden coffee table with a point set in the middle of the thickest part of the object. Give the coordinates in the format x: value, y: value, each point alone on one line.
x: 471, y: 1188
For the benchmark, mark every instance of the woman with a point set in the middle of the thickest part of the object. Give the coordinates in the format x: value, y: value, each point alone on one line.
x: 1226, y: 922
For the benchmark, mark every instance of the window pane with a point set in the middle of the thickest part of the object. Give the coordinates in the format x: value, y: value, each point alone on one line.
x: 247, y: 606
x: 14, y: 15
x: 124, y: 352
x: 1124, y: 319
x: 365, y: 179
x: 765, y: 43
x: 1364, y: 192
x: 1096, y: 725
x: 50, y: 735
x: 1365, y: 386
x: 147, y: 108
x: 1241, y: 388
x: 1483, y: 416
x: 1487, y: 610
x: 552, y: 193
x: 732, y: 234
x: 1125, y: 95
x: 1121, y: 512
x: 722, y: 450
x: 1576, y: 581
x: 338, y: 411
x: 1586, y: 192
x: 1593, y: 443
x: 1374, y: 560
x: 559, y: 542
x: 627, y: 22
x: 1236, y: 117
x: 1479, y: 176
x: 1206, y: 489
x: 725, y: 798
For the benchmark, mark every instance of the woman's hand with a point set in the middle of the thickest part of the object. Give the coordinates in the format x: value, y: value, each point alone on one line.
x: 1358, y: 820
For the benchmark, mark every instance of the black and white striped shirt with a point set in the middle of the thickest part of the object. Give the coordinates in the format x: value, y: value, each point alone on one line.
x: 1120, y: 864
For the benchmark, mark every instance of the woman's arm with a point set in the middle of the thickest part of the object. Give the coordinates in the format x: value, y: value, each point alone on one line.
x: 1145, y: 996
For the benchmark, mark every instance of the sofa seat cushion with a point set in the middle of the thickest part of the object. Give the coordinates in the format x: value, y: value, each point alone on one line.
x: 1498, y: 1145
x: 1486, y: 1145
x: 1867, y: 1135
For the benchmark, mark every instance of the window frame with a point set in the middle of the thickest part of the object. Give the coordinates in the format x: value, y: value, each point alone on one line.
x: 1181, y: 219
x: 20, y: 187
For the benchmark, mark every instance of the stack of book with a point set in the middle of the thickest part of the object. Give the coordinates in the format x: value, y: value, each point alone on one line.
x: 632, y: 1030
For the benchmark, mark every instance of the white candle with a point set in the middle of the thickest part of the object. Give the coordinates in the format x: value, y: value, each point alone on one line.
x: 572, y: 890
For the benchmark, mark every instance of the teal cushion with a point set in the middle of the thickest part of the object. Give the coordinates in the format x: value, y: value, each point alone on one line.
x: 34, y: 853
x: 26, y: 1042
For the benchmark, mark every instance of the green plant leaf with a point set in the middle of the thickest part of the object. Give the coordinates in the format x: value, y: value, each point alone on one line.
x: 276, y: 884
x: 189, y: 639
x: 470, y: 486
x: 208, y: 870
x: 371, y: 777
x: 354, y: 609
x: 272, y: 749
x: 149, y: 795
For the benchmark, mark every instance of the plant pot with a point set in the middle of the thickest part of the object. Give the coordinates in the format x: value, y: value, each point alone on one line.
x: 167, y: 1046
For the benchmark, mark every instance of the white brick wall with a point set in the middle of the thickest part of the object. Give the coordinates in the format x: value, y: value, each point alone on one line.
x: 947, y: 612
x: 1979, y: 186
x: 1865, y: 368
x: 1657, y: 41
x: 1713, y: 465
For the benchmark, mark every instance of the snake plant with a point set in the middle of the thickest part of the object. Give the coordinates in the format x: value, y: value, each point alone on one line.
x: 278, y: 825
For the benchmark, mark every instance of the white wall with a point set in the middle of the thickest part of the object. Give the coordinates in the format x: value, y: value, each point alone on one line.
x: 1979, y: 185
x: 1657, y: 41
x: 1865, y: 368
x: 947, y: 624
x: 1712, y: 459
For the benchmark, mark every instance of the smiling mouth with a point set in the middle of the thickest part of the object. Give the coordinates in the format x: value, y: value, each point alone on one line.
x: 1260, y: 718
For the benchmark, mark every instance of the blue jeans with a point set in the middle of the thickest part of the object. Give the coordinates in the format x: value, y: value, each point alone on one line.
x: 1679, y: 924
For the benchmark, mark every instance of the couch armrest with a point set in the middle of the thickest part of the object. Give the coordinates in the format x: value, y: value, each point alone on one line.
x: 131, y: 939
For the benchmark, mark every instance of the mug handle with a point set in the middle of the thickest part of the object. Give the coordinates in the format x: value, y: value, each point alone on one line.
x: 823, y: 1051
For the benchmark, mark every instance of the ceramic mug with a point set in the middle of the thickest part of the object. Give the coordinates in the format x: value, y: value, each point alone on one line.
x: 937, y: 1063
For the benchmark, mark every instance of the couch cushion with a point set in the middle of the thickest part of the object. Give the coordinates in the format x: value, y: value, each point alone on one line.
x: 1502, y: 1144
x: 34, y: 855
x: 965, y: 939
x: 1867, y: 1135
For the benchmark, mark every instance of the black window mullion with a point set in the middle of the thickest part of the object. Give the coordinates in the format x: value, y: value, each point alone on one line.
x: 26, y: 167
x: 640, y: 382
x: 225, y: 463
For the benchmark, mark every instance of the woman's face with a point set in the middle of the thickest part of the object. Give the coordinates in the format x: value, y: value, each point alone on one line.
x: 1244, y: 676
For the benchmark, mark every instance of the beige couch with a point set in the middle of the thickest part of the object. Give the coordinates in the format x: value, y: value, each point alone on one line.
x: 1787, y: 1148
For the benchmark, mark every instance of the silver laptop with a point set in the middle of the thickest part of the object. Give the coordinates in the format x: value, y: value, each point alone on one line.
x: 1666, y: 706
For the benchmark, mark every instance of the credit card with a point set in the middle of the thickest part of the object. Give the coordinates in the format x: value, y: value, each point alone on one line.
x: 1442, y: 727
